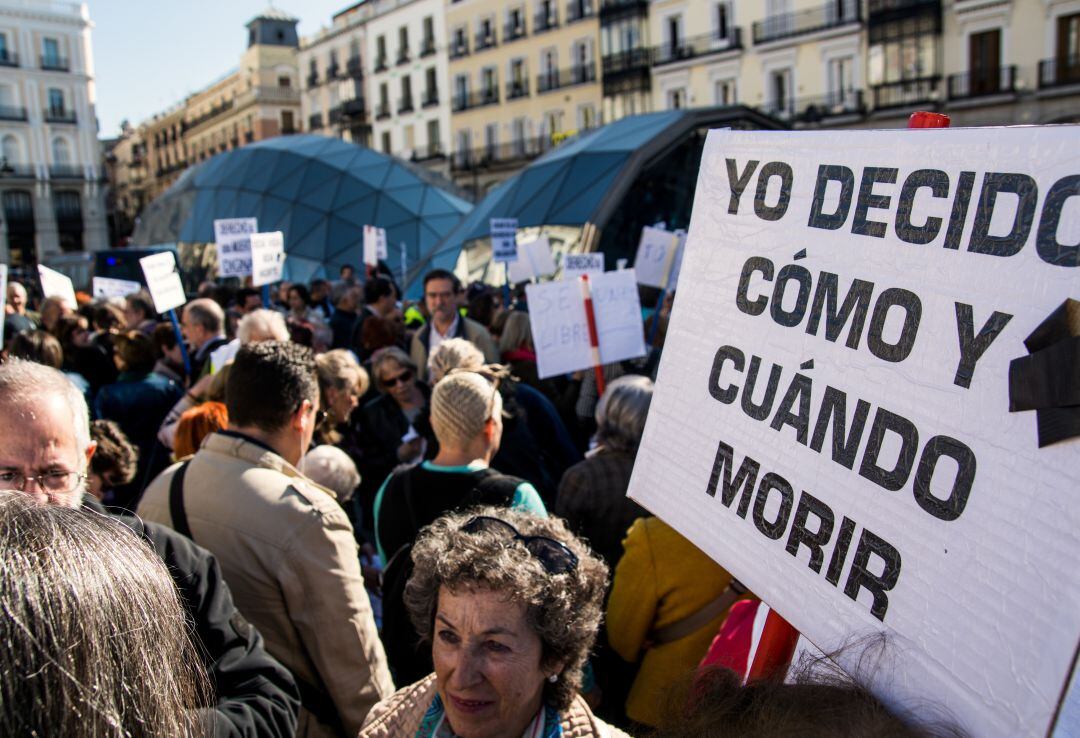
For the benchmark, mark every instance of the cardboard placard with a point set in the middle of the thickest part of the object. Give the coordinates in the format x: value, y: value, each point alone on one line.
x: 659, y: 257
x: 55, y: 284
x: 503, y: 239
x: 374, y: 245
x: 108, y: 287
x: 574, y: 265
x: 534, y: 260
x: 831, y: 418
x: 267, y: 257
x: 559, y: 328
x: 233, y: 239
x: 163, y: 281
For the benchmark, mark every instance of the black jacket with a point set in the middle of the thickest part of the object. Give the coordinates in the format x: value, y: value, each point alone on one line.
x: 255, y: 695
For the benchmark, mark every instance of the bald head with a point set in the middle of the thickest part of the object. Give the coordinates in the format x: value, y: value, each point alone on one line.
x: 16, y: 297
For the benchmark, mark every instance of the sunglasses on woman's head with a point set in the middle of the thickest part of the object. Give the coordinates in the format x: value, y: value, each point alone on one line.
x: 554, y: 556
x: 405, y: 376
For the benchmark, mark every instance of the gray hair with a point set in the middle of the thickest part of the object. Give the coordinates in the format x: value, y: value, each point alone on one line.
x: 22, y: 383
x: 516, y: 332
x: 454, y: 353
x: 206, y: 313
x: 388, y: 354
x: 262, y: 325
x: 621, y: 412
x: 95, y: 641
x: 332, y: 468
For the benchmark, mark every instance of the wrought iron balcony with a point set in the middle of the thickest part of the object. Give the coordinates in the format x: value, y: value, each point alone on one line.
x: 982, y: 82
x: 579, y: 10
x: 60, y: 116
x: 381, y: 64
x: 823, y: 17
x: 383, y: 111
x: 546, y: 20
x: 8, y: 58
x: 477, y: 99
x: 427, y: 47
x: 822, y: 108
x: 611, y: 10
x: 906, y: 93
x: 485, y: 41
x: 354, y: 67
x: 459, y: 48
x: 1064, y: 70
x: 16, y: 171
x: 433, y: 150
x: 332, y: 71
x: 514, y: 31
x: 517, y: 89
x: 689, y: 48
x: 405, y: 105
x: 65, y: 171
x: 313, y: 79
x: 403, y: 56
x: 430, y: 99
x: 511, y: 152
x: 55, y: 64
x: 212, y: 113
x: 335, y: 116
x: 354, y: 107
x: 12, y: 112
x: 558, y: 78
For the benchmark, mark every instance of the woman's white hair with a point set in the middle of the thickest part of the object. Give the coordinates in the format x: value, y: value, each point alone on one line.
x: 262, y: 325
x: 24, y: 383
x: 332, y: 468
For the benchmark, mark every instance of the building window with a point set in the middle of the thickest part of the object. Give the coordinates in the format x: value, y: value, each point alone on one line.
x: 673, y: 35
x: 515, y: 23
x: 489, y: 84
x: 428, y: 45
x: 10, y: 150
x: 434, y: 141
x: 386, y: 142
x: 461, y: 91
x: 586, y: 117
x: 406, y: 95
x: 431, y: 87
x: 284, y: 82
x: 519, y: 85
x: 780, y: 101
x: 841, y: 84
x: 984, y: 62
x: 50, y: 52
x: 724, y: 92
x: 5, y: 54
x: 464, y: 144
x: 288, y: 125
x: 56, y: 102
x: 380, y: 53
x: 723, y: 20
x: 676, y: 99
x: 403, y: 45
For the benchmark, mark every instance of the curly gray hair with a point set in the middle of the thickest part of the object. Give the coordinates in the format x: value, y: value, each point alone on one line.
x: 563, y: 609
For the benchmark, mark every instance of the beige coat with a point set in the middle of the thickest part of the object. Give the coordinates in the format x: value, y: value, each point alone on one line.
x: 468, y: 329
x: 287, y: 551
x: 401, y: 715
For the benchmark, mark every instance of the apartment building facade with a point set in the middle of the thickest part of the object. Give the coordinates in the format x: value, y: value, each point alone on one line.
x: 523, y: 75
x: 334, y: 100
x: 51, y: 194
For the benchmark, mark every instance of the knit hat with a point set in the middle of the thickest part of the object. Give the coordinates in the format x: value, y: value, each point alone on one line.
x: 461, y: 404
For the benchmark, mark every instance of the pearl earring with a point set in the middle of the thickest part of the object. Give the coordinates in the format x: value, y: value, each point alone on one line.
x: 553, y: 678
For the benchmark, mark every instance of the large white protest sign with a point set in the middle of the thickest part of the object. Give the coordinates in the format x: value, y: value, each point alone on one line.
x: 503, y: 239
x: 534, y: 260
x: 574, y: 265
x: 55, y: 284
x: 374, y: 245
x: 163, y: 281
x: 831, y: 419
x: 267, y: 257
x: 233, y: 239
x: 659, y: 257
x: 561, y: 333
x: 108, y: 287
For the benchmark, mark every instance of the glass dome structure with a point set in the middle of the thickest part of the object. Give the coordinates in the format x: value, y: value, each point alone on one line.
x: 320, y: 192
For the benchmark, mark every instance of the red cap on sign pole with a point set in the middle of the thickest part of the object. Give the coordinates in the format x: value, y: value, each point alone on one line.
x: 926, y: 119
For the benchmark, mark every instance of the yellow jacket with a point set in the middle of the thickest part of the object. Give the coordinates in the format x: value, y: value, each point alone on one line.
x: 661, y: 579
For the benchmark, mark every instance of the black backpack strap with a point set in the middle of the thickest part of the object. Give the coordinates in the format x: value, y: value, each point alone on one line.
x: 176, y: 502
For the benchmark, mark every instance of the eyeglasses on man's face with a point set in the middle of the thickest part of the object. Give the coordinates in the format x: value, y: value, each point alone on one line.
x: 53, y: 481
x: 402, y: 378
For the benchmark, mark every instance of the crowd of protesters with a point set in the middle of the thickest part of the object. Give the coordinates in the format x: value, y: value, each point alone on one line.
x: 358, y: 516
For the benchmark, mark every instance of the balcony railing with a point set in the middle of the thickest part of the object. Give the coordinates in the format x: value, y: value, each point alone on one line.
x: 405, y: 105
x: 60, y: 116
x: 627, y: 61
x: 510, y: 152
x: 383, y: 111
x: 905, y: 93
x: 513, y: 31
x: 433, y: 150
x: 353, y: 108
x: 313, y: 79
x: 485, y: 41
x: 617, y: 8
x: 430, y: 99
x: 16, y: 171
x: 982, y: 82
x: 689, y: 48
x: 579, y: 10
x: 517, y: 89
x: 315, y: 121
x: 212, y: 113
x: 879, y: 7
x: 354, y: 67
x: 545, y: 21
x: 55, y: 64
x: 821, y: 18
x: 477, y: 99
x: 334, y: 116
x: 1064, y: 70
x: 65, y: 171
x: 381, y: 64
x: 332, y: 71
x: 459, y: 48
x: 12, y: 112
x: 427, y: 47
x: 403, y: 56
x: 817, y: 109
x: 9, y: 58
x: 558, y: 78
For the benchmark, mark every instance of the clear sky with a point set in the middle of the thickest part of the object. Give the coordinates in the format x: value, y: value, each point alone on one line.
x: 149, y: 54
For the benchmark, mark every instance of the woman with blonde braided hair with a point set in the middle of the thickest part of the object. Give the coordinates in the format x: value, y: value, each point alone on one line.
x: 466, y: 415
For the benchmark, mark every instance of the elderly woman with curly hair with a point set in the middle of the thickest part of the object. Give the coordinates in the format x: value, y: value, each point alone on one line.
x: 510, y: 604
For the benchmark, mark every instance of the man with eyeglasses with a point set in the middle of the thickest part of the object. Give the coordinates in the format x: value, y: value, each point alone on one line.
x: 285, y: 544
x: 441, y: 292
x: 45, y: 450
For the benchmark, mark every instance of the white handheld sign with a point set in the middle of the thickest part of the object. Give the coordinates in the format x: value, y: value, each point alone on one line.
x: 561, y: 333
x: 574, y: 265
x: 503, y: 239
x: 832, y: 423
x: 233, y: 239
x: 374, y: 245
x: 163, y: 281
x: 55, y: 284
x: 108, y: 287
x: 267, y: 258
x: 659, y: 257
x: 534, y: 260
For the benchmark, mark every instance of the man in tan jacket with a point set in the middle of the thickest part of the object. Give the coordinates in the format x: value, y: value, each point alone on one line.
x: 285, y: 546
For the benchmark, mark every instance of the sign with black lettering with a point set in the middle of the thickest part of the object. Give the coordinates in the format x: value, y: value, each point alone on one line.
x: 267, y: 257
x: 832, y: 415
x: 163, y: 281
x: 503, y: 238
x: 233, y: 239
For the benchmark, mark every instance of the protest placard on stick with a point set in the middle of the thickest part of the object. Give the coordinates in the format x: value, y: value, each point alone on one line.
x: 832, y: 419
x: 232, y: 237
x: 167, y: 292
x: 267, y: 258
x: 108, y: 287
x: 534, y: 260
x: 574, y: 265
x: 55, y: 284
x: 503, y: 238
